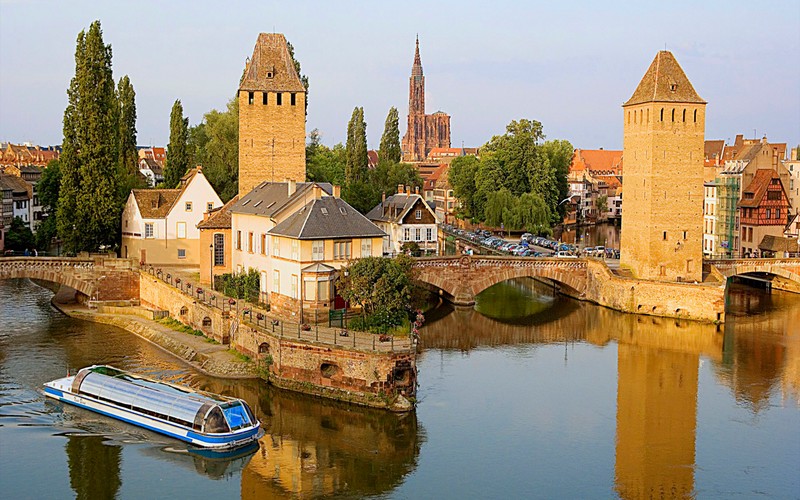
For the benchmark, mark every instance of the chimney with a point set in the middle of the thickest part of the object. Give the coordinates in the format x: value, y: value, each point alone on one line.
x: 383, y: 203
x: 292, y: 185
x: 337, y: 191
x: 408, y: 189
x: 316, y: 191
x: 400, y: 189
x: 416, y: 189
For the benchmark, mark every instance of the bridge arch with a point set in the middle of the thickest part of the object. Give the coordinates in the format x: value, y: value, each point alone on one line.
x: 54, y: 271
x: 463, y: 278
x: 788, y: 269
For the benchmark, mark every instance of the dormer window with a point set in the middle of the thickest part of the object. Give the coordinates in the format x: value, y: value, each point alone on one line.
x: 673, y: 87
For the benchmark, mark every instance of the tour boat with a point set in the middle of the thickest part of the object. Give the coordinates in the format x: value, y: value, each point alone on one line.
x: 200, y: 418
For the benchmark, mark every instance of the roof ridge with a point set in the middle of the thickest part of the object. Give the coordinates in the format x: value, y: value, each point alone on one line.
x: 307, y: 215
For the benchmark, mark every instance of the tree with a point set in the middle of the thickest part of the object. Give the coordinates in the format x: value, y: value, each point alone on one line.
x: 531, y: 213
x: 361, y: 195
x: 390, y: 140
x: 602, y: 207
x: 357, y: 159
x: 88, y: 211
x: 516, y: 152
x: 214, y: 144
x: 324, y: 164
x: 461, y: 176
x: 129, y: 175
x: 177, y: 150
x: 387, y: 176
x: 558, y: 154
x: 499, y: 204
x: 19, y: 236
x: 303, y: 78
x: 382, y: 287
x: 48, y: 189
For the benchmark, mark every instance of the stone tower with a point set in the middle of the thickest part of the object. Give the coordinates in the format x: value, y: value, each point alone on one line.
x: 664, y: 130
x: 424, y: 132
x: 272, y: 116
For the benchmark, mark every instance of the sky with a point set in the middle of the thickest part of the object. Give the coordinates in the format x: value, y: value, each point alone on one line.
x: 568, y: 64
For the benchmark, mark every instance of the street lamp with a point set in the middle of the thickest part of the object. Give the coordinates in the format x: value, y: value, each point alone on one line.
x: 211, y: 266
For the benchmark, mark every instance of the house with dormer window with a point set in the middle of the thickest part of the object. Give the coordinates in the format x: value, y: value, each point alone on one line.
x: 406, y: 217
x: 159, y: 226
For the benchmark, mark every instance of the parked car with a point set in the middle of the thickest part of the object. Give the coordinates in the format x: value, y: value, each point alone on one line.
x: 566, y: 255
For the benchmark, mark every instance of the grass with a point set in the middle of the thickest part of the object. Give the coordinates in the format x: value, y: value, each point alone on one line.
x: 240, y: 356
x: 180, y: 327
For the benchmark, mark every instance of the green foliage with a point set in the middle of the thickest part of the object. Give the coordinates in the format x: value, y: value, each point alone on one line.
x: 461, y: 176
x: 382, y: 287
x: 324, y: 164
x: 177, y: 150
x: 88, y: 211
x: 129, y: 176
x: 529, y: 213
x: 180, y: 327
x: 411, y: 248
x: 48, y: 189
x: 389, y: 151
x: 19, y: 237
x: 559, y: 156
x: 243, y: 285
x: 499, y: 205
x: 357, y: 159
x: 239, y: 355
x: 602, y: 206
x: 214, y: 144
x: 387, y: 176
x: 361, y: 195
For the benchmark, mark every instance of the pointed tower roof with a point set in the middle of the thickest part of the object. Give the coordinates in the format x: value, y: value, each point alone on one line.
x: 271, y: 68
x: 416, y: 70
x: 664, y: 81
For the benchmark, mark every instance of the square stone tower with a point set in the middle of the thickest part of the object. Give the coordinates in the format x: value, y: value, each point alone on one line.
x: 664, y: 132
x: 272, y: 116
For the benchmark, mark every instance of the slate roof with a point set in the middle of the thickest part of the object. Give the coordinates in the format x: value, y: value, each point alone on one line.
x: 327, y: 218
x: 394, y: 208
x: 664, y: 81
x: 15, y: 184
x: 153, y: 165
x: 268, y: 198
x: 271, y: 56
x: 220, y: 217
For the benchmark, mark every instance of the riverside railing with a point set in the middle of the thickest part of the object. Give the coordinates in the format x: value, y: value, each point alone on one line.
x: 259, y: 319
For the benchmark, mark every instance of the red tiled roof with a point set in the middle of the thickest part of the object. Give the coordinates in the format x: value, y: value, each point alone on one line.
x: 594, y: 160
x: 758, y: 187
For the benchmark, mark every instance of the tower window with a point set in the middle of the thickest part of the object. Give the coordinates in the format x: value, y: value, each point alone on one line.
x: 662, y: 115
x: 293, y: 99
x: 269, y: 74
x: 673, y: 86
x: 695, y: 116
x: 279, y: 98
x: 250, y: 96
x: 264, y: 98
x: 684, y: 235
x: 684, y: 115
x: 664, y: 237
x: 673, y: 114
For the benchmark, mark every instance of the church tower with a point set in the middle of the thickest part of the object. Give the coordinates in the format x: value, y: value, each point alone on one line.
x: 272, y: 116
x: 424, y: 132
x: 664, y: 131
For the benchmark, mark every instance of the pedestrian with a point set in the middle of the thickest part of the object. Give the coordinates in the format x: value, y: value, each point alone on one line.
x: 27, y: 253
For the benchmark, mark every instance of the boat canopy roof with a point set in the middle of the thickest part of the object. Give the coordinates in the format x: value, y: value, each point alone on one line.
x: 200, y: 411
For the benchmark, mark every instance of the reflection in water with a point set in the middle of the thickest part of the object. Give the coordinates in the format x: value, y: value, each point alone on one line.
x: 313, y: 449
x: 94, y: 466
x: 516, y: 300
x: 657, y: 368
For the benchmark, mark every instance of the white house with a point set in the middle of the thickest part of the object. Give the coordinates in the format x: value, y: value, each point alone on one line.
x: 406, y: 217
x: 152, y: 170
x: 159, y: 226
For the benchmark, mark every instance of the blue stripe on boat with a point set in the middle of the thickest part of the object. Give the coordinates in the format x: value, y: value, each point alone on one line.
x: 54, y: 392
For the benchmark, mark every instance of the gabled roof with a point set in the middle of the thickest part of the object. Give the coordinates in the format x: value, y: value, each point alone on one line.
x: 269, y: 198
x: 15, y: 184
x: 327, y: 218
x: 395, y: 207
x: 596, y: 160
x: 713, y: 149
x: 219, y: 218
x: 152, y: 164
x: 664, y: 81
x: 156, y: 203
x: 758, y: 186
x: 271, y: 68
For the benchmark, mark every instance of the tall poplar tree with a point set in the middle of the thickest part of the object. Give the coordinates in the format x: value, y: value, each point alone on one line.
x: 390, y: 140
x: 357, y: 159
x: 88, y: 211
x: 128, y: 156
x: 177, y: 150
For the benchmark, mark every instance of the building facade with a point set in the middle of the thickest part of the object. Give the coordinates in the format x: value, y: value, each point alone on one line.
x: 405, y: 217
x: 159, y: 226
x: 424, y: 132
x: 763, y: 210
x: 664, y: 128
x: 272, y: 116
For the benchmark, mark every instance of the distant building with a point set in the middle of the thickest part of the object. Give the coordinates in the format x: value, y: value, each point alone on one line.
x: 215, y: 241
x: 763, y: 210
x: 157, y: 154
x: 17, y: 200
x: 152, y: 170
x: 272, y: 116
x: 159, y: 226
x: 405, y: 217
x: 594, y: 173
x: 438, y: 193
x: 424, y: 132
x: 27, y: 154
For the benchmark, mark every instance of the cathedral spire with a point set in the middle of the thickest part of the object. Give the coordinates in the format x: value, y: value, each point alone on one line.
x: 416, y: 70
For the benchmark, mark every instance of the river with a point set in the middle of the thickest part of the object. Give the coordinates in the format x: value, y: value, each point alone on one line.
x: 527, y: 395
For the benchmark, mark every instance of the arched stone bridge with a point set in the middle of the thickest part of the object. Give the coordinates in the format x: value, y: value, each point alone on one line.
x: 464, y: 277
x: 94, y: 278
x: 784, y: 273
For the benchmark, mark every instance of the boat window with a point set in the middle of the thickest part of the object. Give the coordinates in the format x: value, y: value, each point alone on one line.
x: 215, y: 422
x: 236, y: 415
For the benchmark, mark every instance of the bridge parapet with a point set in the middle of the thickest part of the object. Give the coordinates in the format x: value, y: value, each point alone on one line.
x: 95, y: 277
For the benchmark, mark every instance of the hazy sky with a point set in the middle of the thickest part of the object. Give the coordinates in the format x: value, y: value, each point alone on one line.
x: 568, y: 64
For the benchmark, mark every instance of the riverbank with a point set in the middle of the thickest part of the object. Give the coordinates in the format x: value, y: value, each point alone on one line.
x: 200, y: 353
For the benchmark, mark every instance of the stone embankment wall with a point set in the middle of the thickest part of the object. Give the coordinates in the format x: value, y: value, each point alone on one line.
x: 695, y: 301
x: 379, y: 378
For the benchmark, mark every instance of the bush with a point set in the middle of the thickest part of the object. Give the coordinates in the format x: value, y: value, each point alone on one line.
x: 240, y: 286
